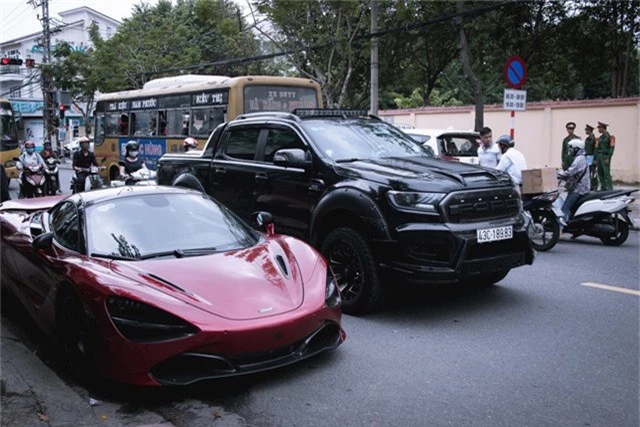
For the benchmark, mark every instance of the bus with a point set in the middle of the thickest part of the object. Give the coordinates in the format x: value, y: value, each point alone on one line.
x: 9, y: 139
x: 167, y: 110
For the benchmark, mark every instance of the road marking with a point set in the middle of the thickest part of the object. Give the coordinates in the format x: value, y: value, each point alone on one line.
x: 612, y: 288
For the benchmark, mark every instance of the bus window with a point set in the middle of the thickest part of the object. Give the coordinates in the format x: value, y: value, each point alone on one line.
x: 162, y: 122
x: 175, y: 122
x: 99, y: 130
x: 141, y: 123
x: 112, y: 127
x: 205, y: 120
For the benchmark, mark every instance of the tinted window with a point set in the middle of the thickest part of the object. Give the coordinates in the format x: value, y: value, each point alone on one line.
x: 278, y: 139
x: 242, y: 143
x: 64, y: 223
x: 459, y: 145
x: 138, y: 225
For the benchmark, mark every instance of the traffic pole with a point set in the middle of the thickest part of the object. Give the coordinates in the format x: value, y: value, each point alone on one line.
x: 513, y: 122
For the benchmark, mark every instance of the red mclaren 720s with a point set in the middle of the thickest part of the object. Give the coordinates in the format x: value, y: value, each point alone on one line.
x: 158, y: 285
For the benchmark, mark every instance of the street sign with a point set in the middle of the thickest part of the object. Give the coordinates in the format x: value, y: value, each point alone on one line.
x: 515, y: 72
x: 514, y: 100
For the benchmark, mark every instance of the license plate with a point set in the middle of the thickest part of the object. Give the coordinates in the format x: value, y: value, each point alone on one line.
x: 494, y: 234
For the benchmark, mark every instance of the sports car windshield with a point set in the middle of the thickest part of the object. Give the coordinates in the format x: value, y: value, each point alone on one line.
x: 157, y: 225
x: 359, y: 139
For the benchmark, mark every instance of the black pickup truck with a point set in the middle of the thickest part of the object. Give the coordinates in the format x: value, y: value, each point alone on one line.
x: 374, y: 202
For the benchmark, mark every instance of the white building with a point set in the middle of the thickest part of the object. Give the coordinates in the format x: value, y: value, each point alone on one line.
x: 22, y: 84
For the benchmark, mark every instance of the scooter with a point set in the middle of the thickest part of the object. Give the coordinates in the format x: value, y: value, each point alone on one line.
x: 544, y: 228
x: 93, y: 179
x: 35, y: 182
x: 603, y: 214
x: 51, y: 179
x: 139, y: 177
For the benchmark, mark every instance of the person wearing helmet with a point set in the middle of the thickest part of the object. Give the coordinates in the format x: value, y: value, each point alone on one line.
x: 512, y: 160
x: 29, y: 159
x: 46, y: 153
x: 577, y: 180
x: 132, y: 162
x: 190, y: 143
x: 83, y: 159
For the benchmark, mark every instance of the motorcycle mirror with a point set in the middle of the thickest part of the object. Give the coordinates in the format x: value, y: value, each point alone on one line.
x: 43, y: 241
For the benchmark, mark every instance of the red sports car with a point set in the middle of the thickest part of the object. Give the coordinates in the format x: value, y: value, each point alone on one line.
x: 165, y: 286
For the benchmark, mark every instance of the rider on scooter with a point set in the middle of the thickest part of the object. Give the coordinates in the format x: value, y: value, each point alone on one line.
x: 47, y: 152
x: 28, y: 159
x: 131, y: 162
x: 578, y: 182
x: 83, y: 159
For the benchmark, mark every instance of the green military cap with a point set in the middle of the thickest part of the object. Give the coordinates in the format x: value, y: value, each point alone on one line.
x: 604, y: 125
x: 589, y: 127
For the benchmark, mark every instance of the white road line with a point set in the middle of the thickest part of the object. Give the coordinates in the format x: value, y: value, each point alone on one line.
x: 612, y: 288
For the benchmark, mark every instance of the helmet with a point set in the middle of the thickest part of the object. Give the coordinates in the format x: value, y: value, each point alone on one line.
x: 506, y: 141
x: 132, y: 146
x: 83, y: 142
x: 190, y: 143
x: 47, y: 145
x: 577, y: 143
x: 29, y: 144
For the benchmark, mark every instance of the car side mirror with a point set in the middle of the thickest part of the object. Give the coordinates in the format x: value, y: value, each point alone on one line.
x: 43, y: 241
x: 291, y: 157
x: 264, y: 220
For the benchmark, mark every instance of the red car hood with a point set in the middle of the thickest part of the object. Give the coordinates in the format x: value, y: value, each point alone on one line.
x: 256, y: 282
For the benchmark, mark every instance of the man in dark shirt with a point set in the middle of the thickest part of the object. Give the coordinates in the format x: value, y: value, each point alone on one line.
x: 83, y: 159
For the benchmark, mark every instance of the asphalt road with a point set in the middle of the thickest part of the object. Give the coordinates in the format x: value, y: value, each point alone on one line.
x: 555, y: 343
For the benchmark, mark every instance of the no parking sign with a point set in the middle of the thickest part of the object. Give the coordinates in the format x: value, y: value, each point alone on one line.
x: 515, y: 72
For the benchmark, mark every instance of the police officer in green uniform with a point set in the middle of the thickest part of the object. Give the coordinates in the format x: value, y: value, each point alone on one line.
x: 603, y: 153
x: 589, y: 148
x: 566, y: 156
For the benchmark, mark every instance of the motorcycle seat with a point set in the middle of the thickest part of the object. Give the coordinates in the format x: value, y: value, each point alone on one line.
x: 593, y: 195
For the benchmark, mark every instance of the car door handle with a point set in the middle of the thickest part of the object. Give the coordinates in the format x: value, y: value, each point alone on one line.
x: 316, y: 185
x: 219, y: 170
x: 262, y: 176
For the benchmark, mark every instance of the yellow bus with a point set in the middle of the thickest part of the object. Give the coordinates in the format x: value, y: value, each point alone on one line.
x: 9, y: 139
x: 167, y: 110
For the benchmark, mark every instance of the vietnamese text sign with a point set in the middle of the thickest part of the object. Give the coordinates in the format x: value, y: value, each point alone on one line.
x: 514, y: 100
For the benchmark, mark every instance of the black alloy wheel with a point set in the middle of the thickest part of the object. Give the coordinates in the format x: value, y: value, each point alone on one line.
x: 352, y: 263
x: 546, y: 230
x: 620, y: 234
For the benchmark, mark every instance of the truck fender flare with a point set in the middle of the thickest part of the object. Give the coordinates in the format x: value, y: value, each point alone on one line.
x: 356, y: 202
x: 189, y: 181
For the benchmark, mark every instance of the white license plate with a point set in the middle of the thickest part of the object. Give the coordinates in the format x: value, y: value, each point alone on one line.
x: 494, y: 234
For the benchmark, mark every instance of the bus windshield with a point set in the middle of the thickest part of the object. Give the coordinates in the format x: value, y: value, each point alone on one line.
x: 8, y: 128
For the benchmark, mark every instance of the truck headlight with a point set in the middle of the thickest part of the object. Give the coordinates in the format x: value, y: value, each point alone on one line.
x: 415, y: 202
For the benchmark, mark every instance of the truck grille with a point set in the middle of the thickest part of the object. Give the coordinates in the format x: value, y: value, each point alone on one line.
x: 479, y: 205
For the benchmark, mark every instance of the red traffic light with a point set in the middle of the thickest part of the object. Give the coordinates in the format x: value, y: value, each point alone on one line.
x: 4, y: 61
x: 10, y: 61
x: 30, y: 62
x: 61, y: 107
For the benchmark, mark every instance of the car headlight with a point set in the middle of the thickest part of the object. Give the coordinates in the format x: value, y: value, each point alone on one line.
x: 416, y: 202
x: 332, y: 293
x: 140, y: 322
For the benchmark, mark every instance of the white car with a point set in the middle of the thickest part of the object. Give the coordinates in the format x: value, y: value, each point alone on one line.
x: 449, y: 144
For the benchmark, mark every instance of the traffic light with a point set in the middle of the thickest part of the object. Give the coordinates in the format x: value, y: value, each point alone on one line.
x: 61, y: 108
x: 30, y: 63
x: 11, y: 61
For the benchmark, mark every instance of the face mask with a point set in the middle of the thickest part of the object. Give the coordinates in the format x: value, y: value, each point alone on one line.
x: 31, y: 150
x: 133, y: 154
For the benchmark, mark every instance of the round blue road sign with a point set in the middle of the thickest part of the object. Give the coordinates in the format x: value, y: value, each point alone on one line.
x: 515, y: 72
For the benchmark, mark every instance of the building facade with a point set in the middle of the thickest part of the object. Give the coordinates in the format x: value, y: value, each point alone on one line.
x: 20, y: 79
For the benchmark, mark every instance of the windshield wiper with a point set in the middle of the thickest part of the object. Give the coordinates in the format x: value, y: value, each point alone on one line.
x: 351, y: 160
x: 181, y: 253
x: 113, y: 256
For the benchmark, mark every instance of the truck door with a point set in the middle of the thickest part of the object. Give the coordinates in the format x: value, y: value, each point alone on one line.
x: 234, y: 170
x: 288, y: 193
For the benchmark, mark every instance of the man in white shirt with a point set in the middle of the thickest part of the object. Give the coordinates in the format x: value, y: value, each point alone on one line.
x: 488, y: 153
x: 512, y: 160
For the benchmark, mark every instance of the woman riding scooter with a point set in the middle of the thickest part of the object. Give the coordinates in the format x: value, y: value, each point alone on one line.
x: 131, y: 162
x: 30, y: 163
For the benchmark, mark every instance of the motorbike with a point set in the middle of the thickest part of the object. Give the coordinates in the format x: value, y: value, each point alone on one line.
x: 34, y: 177
x: 51, y: 179
x: 603, y: 214
x: 544, y: 228
x: 139, y: 177
x: 94, y: 181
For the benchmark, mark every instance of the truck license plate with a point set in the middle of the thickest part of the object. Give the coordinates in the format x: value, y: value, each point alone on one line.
x: 494, y: 234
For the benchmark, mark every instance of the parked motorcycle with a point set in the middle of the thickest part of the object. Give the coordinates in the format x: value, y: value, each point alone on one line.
x: 94, y: 181
x: 139, y: 177
x: 35, y: 181
x: 544, y: 229
x: 51, y: 178
x: 603, y: 214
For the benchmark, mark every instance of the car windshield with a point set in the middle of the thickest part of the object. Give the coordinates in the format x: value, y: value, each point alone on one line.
x: 357, y: 139
x: 164, y: 224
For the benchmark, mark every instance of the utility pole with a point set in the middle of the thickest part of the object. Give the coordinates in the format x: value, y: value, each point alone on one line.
x: 49, y: 109
x: 374, y: 57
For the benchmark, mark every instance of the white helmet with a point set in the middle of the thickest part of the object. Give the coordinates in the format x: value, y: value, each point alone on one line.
x: 576, y: 143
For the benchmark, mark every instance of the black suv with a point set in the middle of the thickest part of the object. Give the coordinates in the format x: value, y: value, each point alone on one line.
x: 371, y: 199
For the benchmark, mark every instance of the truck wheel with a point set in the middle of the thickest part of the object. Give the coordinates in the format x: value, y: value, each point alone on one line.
x: 352, y: 262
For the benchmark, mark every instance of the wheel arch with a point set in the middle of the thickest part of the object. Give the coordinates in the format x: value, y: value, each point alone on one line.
x: 188, y: 180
